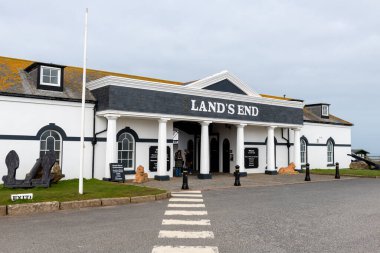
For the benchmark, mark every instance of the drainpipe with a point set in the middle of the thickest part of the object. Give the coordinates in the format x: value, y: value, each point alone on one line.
x: 287, y: 142
x: 94, y: 139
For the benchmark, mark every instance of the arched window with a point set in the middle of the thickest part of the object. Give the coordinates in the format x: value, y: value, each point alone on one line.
x: 126, y: 150
x: 330, y: 152
x: 303, y: 151
x: 51, y: 141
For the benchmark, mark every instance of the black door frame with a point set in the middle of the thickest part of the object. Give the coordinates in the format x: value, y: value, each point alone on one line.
x: 226, y: 155
x: 214, y: 161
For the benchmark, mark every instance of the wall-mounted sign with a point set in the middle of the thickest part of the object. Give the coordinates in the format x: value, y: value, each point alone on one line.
x: 251, y: 158
x: 229, y: 108
x: 153, y: 158
x: 117, y: 172
x: 155, y: 101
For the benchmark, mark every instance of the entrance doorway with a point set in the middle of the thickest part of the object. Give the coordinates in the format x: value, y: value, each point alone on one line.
x: 214, y: 154
x: 226, y: 156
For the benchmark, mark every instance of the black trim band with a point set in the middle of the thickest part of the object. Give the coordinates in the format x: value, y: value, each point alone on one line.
x: 329, y: 123
x: 36, y: 138
x: 76, y: 100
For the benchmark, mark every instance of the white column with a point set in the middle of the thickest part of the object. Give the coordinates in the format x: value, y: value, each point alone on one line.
x: 161, y: 151
x: 240, y: 148
x: 270, y: 149
x: 111, y: 147
x: 205, y: 151
x: 297, y: 148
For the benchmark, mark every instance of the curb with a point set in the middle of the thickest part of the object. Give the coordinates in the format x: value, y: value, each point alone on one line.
x: 76, y: 204
x: 3, y: 210
x: 23, y: 209
x: 116, y: 201
x: 52, y: 206
x: 345, y: 175
x: 140, y: 199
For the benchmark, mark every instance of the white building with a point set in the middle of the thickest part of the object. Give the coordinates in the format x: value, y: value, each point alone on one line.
x: 220, y: 120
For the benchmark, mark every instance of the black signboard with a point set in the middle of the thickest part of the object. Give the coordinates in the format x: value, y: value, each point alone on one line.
x: 251, y: 158
x: 117, y: 172
x: 155, y: 101
x: 153, y: 158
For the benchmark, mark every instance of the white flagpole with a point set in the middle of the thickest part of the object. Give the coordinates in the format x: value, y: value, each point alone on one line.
x: 83, y: 105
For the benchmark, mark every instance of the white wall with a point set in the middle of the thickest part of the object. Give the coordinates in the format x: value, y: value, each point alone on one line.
x: 24, y: 117
x: 318, y: 134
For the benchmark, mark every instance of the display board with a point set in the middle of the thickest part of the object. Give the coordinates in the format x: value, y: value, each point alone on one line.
x: 117, y: 172
x: 251, y: 158
x: 153, y: 158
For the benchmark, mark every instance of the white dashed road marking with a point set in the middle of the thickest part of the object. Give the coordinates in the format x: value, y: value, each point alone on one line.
x: 185, y: 249
x: 178, y: 197
x: 186, y: 222
x: 187, y: 205
x: 187, y: 195
x: 185, y: 200
x: 188, y: 213
x: 185, y: 234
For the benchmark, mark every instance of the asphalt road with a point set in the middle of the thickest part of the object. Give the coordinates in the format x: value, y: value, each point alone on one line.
x: 337, y: 216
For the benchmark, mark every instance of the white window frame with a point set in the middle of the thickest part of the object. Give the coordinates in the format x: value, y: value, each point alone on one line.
x: 325, y: 110
x: 303, y: 152
x: 330, y: 152
x: 132, y: 151
x: 50, y: 84
x: 56, y: 149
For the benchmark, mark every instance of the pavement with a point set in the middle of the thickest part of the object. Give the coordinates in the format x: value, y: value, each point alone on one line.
x: 222, y: 181
x: 324, y: 216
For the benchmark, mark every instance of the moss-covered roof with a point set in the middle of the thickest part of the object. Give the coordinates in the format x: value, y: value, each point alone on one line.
x: 309, y: 116
x: 15, y: 80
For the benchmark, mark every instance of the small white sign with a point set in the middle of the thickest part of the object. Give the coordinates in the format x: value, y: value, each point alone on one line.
x: 15, y: 197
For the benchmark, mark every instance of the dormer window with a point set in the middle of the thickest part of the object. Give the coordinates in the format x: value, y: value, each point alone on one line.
x: 46, y: 76
x: 50, y: 76
x: 325, y: 110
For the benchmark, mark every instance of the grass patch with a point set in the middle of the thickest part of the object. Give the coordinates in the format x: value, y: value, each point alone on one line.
x: 347, y: 172
x: 67, y: 190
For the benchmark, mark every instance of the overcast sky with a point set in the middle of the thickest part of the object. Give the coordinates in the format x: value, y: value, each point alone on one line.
x: 319, y: 51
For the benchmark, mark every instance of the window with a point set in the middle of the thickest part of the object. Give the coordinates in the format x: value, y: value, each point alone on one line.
x: 303, y: 151
x: 126, y: 150
x: 330, y: 152
x: 51, y: 141
x: 325, y: 110
x: 50, y: 76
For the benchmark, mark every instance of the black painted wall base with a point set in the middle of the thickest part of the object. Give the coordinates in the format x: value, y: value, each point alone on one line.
x: 161, y: 178
x: 204, y: 176
x: 271, y: 172
x: 243, y: 174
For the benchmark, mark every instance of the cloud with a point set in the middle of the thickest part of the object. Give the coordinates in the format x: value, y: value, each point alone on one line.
x: 320, y: 51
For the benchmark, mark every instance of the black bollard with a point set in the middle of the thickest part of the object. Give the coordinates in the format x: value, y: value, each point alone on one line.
x: 337, y: 175
x: 307, y: 177
x: 237, y: 176
x: 185, y: 180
